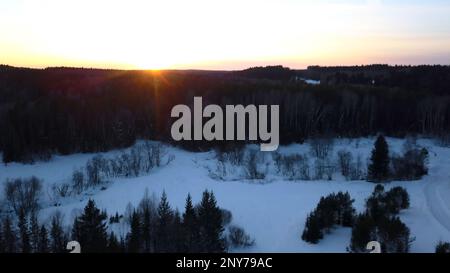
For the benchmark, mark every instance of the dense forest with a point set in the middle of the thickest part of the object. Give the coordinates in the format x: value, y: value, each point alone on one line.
x: 67, y: 110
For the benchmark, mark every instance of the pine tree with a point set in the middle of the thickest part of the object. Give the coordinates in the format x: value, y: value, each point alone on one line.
x: 443, y: 248
x: 43, y: 242
x: 378, y: 170
x: 210, y: 223
x: 346, y: 212
x: 134, y: 237
x: 123, y: 245
x: 165, y: 219
x: 35, y: 232
x: 9, y: 236
x: 327, y: 212
x: 393, y: 235
x: 363, y: 231
x: 24, y: 233
x: 90, y: 229
x: 396, y: 199
x: 190, y: 227
x: 113, y: 244
x: 312, y: 232
x: 376, y: 208
x: 177, y: 233
x: 58, y: 237
x: 147, y: 230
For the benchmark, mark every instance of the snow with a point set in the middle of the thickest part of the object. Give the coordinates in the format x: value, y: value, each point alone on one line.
x: 273, y: 212
x: 312, y: 82
x: 309, y: 81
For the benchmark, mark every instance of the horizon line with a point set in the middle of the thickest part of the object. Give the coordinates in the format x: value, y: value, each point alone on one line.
x: 212, y: 69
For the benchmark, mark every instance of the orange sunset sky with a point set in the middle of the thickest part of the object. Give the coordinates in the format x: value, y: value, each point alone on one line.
x: 222, y: 34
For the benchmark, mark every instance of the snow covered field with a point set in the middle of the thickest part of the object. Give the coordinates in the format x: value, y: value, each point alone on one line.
x: 272, y: 211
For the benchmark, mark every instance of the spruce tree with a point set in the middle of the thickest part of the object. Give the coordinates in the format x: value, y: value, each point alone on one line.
x: 443, y: 248
x: 378, y: 170
x: 346, y: 212
x: 364, y: 230
x: 35, y: 232
x: 147, y: 229
x: 177, y: 233
x: 24, y: 233
x: 113, y: 244
x: 134, y: 237
x: 210, y: 223
x: 190, y: 227
x: 43, y: 242
x: 90, y: 229
x: 165, y: 220
x: 376, y: 208
x: 326, y: 212
x: 396, y: 199
x: 58, y: 237
x: 312, y: 232
x: 393, y: 235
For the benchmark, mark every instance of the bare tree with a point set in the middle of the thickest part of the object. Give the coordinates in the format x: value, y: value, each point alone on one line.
x: 321, y: 147
x: 251, y: 167
x: 345, y: 161
x: 294, y: 167
x: 78, y: 181
x: 238, y: 238
x: 23, y: 195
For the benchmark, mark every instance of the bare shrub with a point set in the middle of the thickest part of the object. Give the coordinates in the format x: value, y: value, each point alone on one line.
x: 252, y: 168
x: 411, y: 166
x: 238, y: 238
x: 234, y: 156
x: 135, y: 163
x: 293, y: 167
x: 324, y: 169
x: 61, y: 190
x: 94, y: 168
x: 220, y: 172
x: 227, y: 217
x: 321, y: 148
x: 357, y: 171
x: 22, y: 195
x: 78, y: 182
x: 154, y: 154
x: 345, y: 161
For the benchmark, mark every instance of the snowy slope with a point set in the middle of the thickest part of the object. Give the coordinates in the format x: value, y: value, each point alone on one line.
x: 273, y: 212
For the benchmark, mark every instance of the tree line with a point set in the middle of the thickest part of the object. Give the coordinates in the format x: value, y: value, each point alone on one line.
x: 153, y: 228
x: 64, y: 110
x: 322, y: 162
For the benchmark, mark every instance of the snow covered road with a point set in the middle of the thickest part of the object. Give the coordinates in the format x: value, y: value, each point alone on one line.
x: 437, y: 194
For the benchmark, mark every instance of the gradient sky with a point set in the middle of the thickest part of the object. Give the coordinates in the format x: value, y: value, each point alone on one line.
x: 222, y: 34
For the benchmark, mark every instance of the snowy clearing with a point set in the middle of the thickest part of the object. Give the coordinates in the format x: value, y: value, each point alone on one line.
x: 272, y: 212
